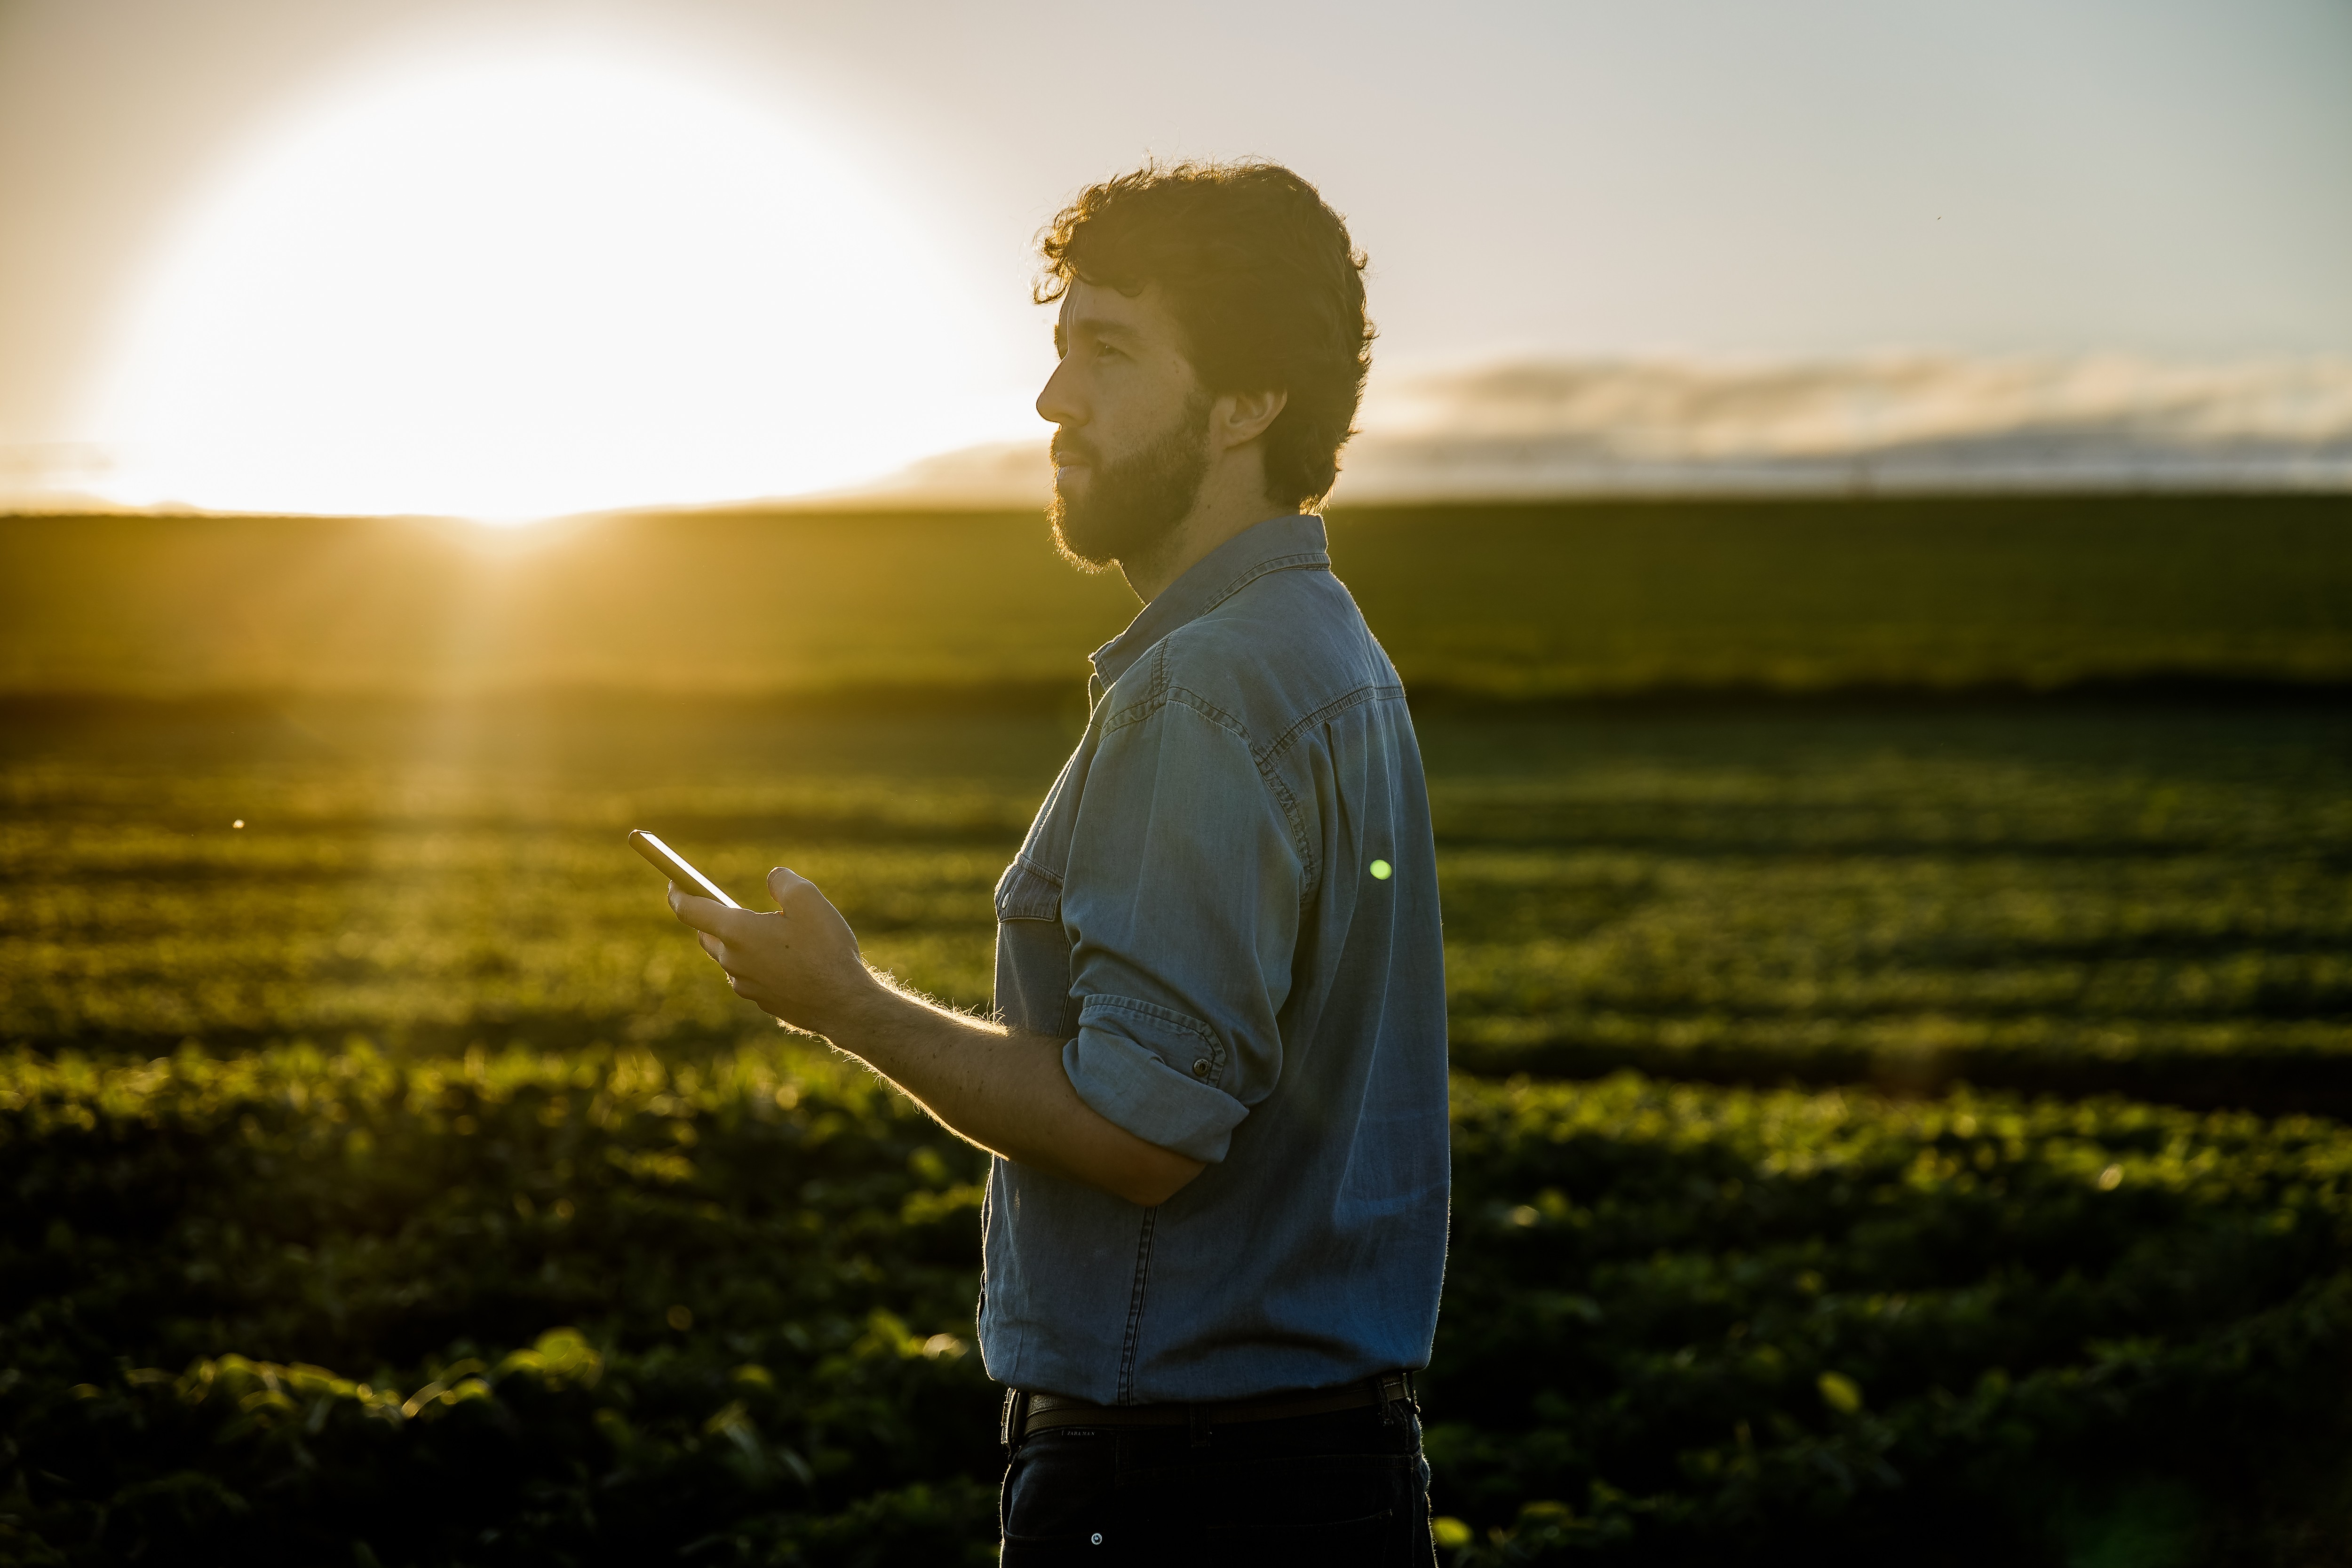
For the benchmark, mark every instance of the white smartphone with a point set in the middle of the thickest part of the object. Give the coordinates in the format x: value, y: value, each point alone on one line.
x: 674, y: 865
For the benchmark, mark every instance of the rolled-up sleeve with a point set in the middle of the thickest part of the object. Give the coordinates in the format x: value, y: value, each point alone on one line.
x: 1181, y: 902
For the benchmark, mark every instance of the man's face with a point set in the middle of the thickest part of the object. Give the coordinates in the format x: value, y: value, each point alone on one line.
x: 1130, y: 439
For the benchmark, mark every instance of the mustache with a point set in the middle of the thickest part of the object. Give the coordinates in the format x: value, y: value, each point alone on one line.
x: 1068, y: 448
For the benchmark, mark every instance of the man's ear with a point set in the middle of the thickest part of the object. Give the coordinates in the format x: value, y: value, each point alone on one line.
x: 1240, y: 418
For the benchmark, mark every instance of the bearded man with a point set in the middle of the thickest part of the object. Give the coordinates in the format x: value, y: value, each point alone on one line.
x: 1216, y: 1084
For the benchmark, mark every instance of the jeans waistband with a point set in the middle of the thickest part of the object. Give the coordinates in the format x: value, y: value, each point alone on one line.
x: 1026, y: 1411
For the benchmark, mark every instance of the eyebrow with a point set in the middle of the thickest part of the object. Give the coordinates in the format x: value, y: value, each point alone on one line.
x: 1097, y: 326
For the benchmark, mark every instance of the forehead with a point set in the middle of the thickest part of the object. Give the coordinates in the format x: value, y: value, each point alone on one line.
x: 1093, y: 310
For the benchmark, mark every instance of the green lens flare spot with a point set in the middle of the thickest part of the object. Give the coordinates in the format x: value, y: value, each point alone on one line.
x: 1380, y: 870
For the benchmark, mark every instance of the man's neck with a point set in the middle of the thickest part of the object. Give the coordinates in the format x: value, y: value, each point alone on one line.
x: 1222, y: 513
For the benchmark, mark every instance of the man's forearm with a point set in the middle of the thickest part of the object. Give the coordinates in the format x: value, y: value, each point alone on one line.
x: 1003, y: 1091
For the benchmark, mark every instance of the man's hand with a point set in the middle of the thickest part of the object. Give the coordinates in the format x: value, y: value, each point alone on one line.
x: 799, y: 965
x: 1004, y: 1091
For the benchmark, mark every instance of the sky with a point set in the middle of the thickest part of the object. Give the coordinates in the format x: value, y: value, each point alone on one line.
x: 504, y: 258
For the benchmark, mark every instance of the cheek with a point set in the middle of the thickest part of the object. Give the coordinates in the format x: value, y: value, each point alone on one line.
x: 1126, y: 420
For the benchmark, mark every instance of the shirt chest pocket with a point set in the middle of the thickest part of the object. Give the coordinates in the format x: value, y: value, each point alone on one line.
x: 1032, y: 954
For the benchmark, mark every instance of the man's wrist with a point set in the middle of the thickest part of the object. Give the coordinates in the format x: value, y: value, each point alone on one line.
x: 862, y: 1015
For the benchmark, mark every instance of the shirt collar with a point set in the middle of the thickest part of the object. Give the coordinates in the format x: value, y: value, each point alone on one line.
x: 1278, y: 544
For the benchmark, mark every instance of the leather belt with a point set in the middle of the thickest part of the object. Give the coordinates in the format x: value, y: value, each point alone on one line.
x: 1026, y: 1411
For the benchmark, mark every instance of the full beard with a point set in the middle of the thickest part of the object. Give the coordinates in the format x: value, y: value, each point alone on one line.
x: 1132, y: 505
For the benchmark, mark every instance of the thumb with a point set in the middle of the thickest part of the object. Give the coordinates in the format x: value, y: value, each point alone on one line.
x: 784, y: 883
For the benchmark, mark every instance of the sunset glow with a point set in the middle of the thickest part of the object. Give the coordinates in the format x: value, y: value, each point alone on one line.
x: 509, y: 286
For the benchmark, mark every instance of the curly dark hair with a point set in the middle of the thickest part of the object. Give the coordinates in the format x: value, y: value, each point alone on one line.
x: 1261, y: 278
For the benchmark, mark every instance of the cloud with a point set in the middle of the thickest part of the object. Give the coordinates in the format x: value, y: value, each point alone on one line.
x: 1913, y: 422
x: 1904, y: 423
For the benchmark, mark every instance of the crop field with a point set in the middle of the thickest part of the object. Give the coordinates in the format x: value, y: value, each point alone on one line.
x: 586, y: 1306
x: 1901, y: 1096
x: 2127, y: 899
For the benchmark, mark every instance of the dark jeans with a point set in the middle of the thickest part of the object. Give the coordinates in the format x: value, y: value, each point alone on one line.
x: 1349, y: 1487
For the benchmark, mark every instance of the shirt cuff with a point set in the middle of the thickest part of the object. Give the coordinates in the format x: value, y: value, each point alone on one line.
x: 1147, y: 1069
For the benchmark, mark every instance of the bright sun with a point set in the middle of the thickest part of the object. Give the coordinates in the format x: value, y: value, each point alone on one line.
x: 516, y: 284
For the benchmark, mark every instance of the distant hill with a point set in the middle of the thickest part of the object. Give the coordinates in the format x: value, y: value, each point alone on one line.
x: 1558, y: 599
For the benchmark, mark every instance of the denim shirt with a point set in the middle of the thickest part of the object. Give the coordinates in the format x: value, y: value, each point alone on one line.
x: 1199, y: 911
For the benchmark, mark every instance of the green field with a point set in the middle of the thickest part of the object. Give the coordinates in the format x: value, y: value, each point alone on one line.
x: 2145, y: 900
x: 311, y: 1306
x: 1969, y: 885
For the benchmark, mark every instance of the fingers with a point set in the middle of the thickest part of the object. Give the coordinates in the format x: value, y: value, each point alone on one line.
x: 803, y: 902
x: 736, y: 981
x: 703, y: 914
x: 763, y: 957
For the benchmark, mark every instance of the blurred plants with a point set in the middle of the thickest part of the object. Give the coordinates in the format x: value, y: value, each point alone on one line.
x: 1715, y: 1323
x: 526, y: 1308
x: 731, y: 1255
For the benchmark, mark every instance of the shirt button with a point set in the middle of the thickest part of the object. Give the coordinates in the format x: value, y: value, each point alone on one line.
x: 1201, y: 1067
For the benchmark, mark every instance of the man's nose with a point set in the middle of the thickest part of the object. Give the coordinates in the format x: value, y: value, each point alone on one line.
x: 1056, y: 402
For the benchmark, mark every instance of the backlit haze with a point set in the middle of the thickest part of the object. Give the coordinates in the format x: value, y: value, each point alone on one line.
x: 508, y: 261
